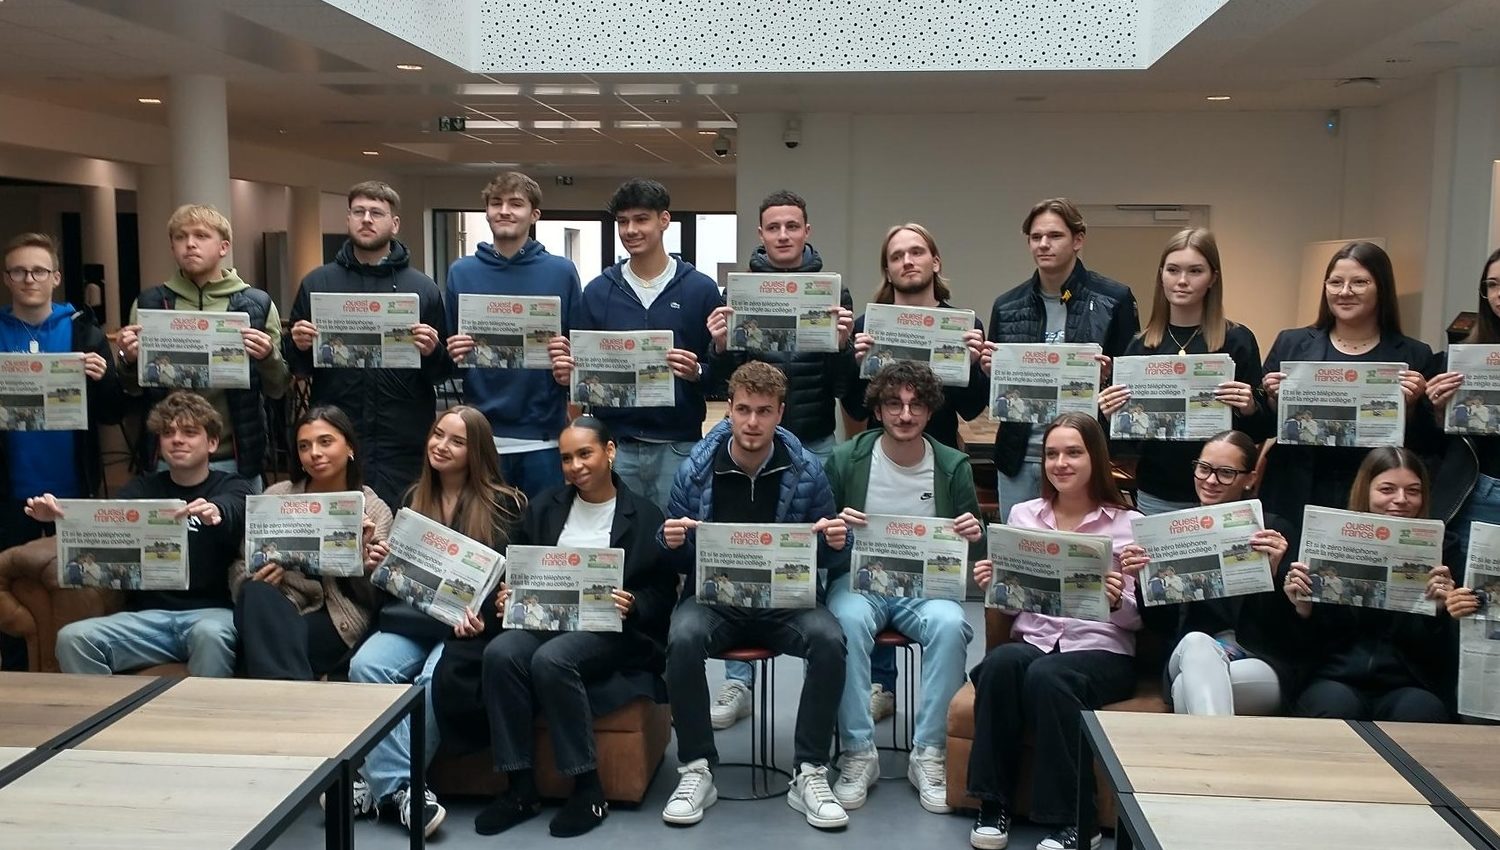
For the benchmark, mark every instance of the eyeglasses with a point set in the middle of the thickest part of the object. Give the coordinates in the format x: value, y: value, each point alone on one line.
x: 375, y: 213
x: 1224, y: 474
x: 895, y: 406
x: 1357, y: 285
x: 20, y: 275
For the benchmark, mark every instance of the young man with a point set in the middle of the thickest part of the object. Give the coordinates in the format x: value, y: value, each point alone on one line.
x: 651, y: 290
x: 391, y: 408
x: 1062, y: 302
x: 898, y: 469
x: 200, y: 241
x: 162, y: 626
x: 749, y: 470
x: 527, y: 409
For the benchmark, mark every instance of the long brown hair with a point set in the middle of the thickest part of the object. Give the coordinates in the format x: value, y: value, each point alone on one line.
x: 1377, y: 463
x: 1486, y: 324
x: 1378, y: 263
x: 488, y: 507
x: 886, y: 294
x: 1102, y: 486
x: 1214, y: 325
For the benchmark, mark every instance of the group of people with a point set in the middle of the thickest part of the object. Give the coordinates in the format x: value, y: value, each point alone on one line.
x: 510, y: 466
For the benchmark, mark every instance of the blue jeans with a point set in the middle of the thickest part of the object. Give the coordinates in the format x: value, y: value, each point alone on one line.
x: 648, y: 469
x: 534, y: 473
x: 130, y: 640
x: 1024, y: 486
x: 1483, y: 505
x: 1151, y: 505
x: 937, y: 624
x: 390, y: 659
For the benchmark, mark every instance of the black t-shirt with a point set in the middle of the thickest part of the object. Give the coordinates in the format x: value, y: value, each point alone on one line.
x: 211, y: 548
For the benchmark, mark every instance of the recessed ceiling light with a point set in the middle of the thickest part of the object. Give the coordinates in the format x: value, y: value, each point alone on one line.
x: 708, y: 132
x: 281, y: 132
x: 150, y: 101
x: 408, y: 66
x: 1217, y: 97
x: 371, y: 153
x: 663, y: 100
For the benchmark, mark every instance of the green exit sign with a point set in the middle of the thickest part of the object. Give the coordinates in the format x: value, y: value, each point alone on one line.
x: 452, y: 124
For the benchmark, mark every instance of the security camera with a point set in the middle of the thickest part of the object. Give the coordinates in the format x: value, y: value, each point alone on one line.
x: 721, y: 145
x: 792, y: 136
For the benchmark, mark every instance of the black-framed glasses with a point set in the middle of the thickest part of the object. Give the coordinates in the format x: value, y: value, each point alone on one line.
x: 1223, y: 474
x: 20, y: 275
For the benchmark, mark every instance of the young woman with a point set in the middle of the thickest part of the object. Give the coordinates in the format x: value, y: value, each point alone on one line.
x: 1368, y: 664
x: 461, y: 487
x: 1230, y: 654
x: 294, y: 626
x: 1056, y: 666
x: 567, y: 676
x: 1357, y: 322
x: 1187, y: 317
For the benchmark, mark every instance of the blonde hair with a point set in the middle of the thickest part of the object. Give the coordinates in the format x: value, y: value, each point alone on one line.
x: 1214, y: 326
x: 203, y: 214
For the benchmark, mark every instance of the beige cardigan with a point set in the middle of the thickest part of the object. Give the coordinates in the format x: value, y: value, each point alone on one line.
x: 350, y: 601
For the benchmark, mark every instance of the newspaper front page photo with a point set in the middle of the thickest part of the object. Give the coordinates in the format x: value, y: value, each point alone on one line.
x: 122, y: 544
x: 435, y: 569
x: 510, y: 332
x: 1057, y: 573
x: 1202, y: 553
x: 561, y: 589
x: 1476, y: 407
x: 783, y: 312
x: 1370, y: 560
x: 1479, y: 633
x: 43, y: 392
x: 1172, y: 397
x: 757, y: 566
x: 622, y: 369
x: 908, y: 557
x: 931, y: 335
x: 1341, y: 404
x: 316, y: 534
x: 1037, y: 383
x: 365, y: 330
x: 193, y: 350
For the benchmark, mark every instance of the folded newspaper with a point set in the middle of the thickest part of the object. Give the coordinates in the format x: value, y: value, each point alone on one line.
x: 1203, y: 553
x: 122, y: 544
x: 931, y: 335
x: 1172, y: 397
x: 562, y: 589
x: 783, y: 312
x: 1370, y: 560
x: 509, y: 331
x: 622, y: 369
x: 1056, y: 573
x: 1345, y: 403
x: 1037, y: 383
x: 774, y: 565
x: 1479, y: 668
x: 1482, y: 571
x: 43, y: 392
x: 437, y: 570
x: 317, y: 534
x: 909, y: 557
x: 1475, y: 408
x: 365, y: 330
x: 192, y: 349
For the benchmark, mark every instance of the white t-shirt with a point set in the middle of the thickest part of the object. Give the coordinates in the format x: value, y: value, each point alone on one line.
x: 647, y: 290
x: 900, y: 490
x: 588, y: 524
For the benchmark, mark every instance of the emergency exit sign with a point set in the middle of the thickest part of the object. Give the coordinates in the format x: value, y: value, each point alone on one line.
x: 452, y: 124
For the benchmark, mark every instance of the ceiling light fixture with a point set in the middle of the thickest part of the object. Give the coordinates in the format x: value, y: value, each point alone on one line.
x: 663, y: 100
x: 371, y: 153
x: 1217, y: 98
x: 408, y: 66
x: 1359, y: 82
x: 149, y: 101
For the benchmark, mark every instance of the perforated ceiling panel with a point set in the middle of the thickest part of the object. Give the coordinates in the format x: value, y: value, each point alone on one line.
x: 440, y: 27
x: 1167, y: 22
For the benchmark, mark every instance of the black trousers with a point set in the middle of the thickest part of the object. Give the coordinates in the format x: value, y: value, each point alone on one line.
x: 276, y: 642
x: 528, y: 672
x: 1018, y: 686
x: 1332, y: 698
x: 17, y: 528
x: 699, y: 631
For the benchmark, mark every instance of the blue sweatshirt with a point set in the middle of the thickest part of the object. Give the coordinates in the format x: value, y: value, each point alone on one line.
x: 609, y: 304
x: 40, y: 461
x: 520, y: 403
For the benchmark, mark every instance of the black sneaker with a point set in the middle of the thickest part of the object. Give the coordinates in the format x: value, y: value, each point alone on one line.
x: 1067, y: 839
x: 579, y: 815
x: 992, y: 830
x: 399, y: 804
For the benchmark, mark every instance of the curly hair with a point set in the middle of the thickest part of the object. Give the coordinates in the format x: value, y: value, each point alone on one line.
x: 757, y: 378
x: 891, y: 380
x: 185, y: 408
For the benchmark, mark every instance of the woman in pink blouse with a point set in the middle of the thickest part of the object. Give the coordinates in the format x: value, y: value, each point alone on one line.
x: 1054, y: 667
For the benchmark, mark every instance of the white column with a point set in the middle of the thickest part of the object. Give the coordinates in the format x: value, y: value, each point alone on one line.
x: 198, y: 118
x: 101, y: 244
x: 304, y: 240
x: 153, y: 206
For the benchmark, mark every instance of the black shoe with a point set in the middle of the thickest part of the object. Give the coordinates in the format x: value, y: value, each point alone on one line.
x: 992, y: 830
x: 399, y: 805
x: 507, y: 811
x: 1067, y: 839
x: 580, y: 814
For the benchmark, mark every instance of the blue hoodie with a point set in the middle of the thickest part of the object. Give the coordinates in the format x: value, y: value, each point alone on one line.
x: 520, y: 403
x: 609, y: 304
x: 40, y: 461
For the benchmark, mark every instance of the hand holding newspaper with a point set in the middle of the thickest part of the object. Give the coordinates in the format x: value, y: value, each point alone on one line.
x: 560, y: 589
x: 1370, y: 560
x: 1056, y: 573
x: 437, y: 570
x: 930, y: 335
x: 365, y: 330
x: 1202, y: 553
x: 622, y: 369
x: 1037, y: 383
x: 1347, y: 403
x: 43, y: 392
x: 757, y: 566
x: 909, y: 557
x: 1475, y: 408
x: 122, y: 544
x: 316, y: 534
x: 1172, y: 397
x: 193, y: 349
x: 510, y: 332
x: 783, y: 312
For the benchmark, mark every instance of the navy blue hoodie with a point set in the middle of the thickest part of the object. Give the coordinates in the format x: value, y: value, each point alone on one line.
x: 609, y: 304
x: 522, y: 403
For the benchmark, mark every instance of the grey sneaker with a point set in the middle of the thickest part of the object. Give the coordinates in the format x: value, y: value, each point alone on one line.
x: 858, y: 773
x: 811, y: 796
x: 695, y: 792
x: 731, y: 704
x: 882, y: 703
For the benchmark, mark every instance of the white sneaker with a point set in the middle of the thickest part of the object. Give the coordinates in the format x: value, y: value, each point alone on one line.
x: 858, y: 773
x: 811, y: 796
x: 731, y: 704
x: 695, y: 792
x: 927, y: 769
x: 882, y: 703
x: 364, y: 801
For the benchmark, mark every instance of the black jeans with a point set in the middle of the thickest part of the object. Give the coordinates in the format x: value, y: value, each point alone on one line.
x: 1332, y: 698
x: 1018, y: 686
x: 276, y: 642
x: 17, y: 528
x: 699, y: 631
x: 529, y: 672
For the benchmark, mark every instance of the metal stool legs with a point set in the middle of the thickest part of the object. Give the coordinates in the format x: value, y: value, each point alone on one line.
x: 762, y: 765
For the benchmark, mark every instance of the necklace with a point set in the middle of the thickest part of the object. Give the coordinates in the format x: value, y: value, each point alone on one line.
x: 1182, y: 346
x: 1356, y: 345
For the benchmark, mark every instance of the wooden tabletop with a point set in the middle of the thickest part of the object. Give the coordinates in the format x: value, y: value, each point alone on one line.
x: 1465, y: 758
x: 37, y: 707
x: 82, y: 800
x: 1490, y: 816
x: 1183, y: 822
x: 1264, y: 757
x: 244, y: 716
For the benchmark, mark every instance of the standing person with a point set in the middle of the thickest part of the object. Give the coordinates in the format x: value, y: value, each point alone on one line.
x: 1059, y: 666
x: 391, y: 408
x: 201, y: 236
x: 1187, y: 317
x: 294, y: 626
x: 1062, y: 302
x: 651, y: 290
x: 526, y: 407
x: 750, y: 470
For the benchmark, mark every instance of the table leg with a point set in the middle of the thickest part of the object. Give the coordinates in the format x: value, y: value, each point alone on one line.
x: 1123, y: 841
x: 419, y: 772
x: 338, y: 810
x: 1087, y: 825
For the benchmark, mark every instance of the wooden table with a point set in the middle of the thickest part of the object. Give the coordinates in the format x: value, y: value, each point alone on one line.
x: 42, y: 710
x: 1186, y: 822
x: 1459, y: 763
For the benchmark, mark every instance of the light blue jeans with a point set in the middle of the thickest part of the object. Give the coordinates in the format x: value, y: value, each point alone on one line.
x: 1151, y: 505
x: 1024, y: 486
x: 391, y: 659
x: 1483, y: 505
x: 130, y: 640
x: 648, y: 469
x: 937, y: 624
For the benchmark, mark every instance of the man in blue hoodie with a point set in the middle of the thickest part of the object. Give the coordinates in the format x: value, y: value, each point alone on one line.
x: 651, y: 290
x: 526, y: 408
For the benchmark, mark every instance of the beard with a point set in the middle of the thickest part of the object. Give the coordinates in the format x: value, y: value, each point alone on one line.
x: 376, y: 242
x: 912, y: 287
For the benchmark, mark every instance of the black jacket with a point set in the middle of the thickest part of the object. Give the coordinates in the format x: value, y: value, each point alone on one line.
x: 212, y: 549
x: 1100, y: 310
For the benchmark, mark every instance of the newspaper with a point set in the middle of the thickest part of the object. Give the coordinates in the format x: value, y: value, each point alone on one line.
x: 437, y: 570
x: 1482, y: 571
x: 509, y: 331
x: 783, y: 312
x: 43, y: 392
x: 1203, y: 553
x: 122, y: 544
x: 931, y: 335
x: 1475, y: 409
x: 774, y: 565
x: 1479, y: 668
x: 1370, y: 560
x: 622, y: 369
x: 192, y: 349
x: 1057, y: 573
x: 1348, y: 403
x: 909, y: 557
x: 1036, y: 383
x: 1172, y: 397
x: 558, y: 589
x: 366, y: 331
x: 317, y: 534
